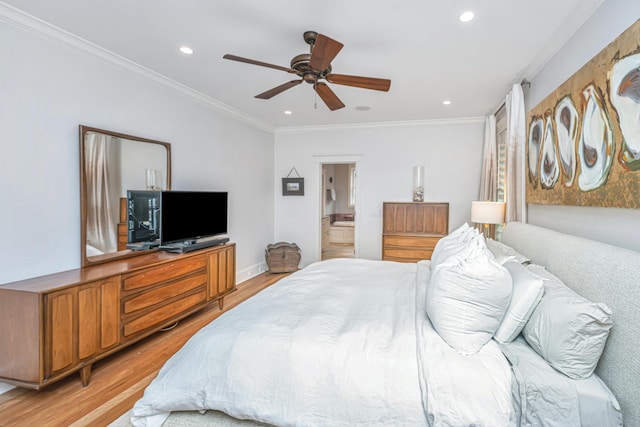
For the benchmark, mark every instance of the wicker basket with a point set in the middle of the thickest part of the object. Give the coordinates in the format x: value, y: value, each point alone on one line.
x: 282, y: 257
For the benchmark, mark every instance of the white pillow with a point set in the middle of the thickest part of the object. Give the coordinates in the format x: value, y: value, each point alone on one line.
x: 502, y: 259
x: 454, y: 242
x: 566, y: 329
x: 501, y: 251
x: 527, y: 293
x: 467, y: 297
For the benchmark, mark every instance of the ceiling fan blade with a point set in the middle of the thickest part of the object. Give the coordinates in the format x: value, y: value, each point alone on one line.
x: 328, y: 96
x: 262, y: 64
x: 323, y: 52
x: 278, y: 89
x: 356, y: 81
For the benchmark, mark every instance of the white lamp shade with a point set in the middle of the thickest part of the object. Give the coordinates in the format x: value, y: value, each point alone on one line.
x: 487, y: 212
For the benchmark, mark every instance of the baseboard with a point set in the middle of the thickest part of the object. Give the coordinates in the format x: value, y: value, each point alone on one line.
x: 249, y: 272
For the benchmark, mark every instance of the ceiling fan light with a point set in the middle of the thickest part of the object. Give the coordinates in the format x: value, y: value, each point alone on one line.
x: 314, y: 67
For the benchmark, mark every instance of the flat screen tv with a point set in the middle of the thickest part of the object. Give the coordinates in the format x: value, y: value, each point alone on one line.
x: 143, y: 211
x: 191, y: 215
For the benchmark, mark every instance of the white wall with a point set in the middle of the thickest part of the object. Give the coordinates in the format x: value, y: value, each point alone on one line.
x: 610, y: 225
x: 385, y: 155
x: 48, y: 88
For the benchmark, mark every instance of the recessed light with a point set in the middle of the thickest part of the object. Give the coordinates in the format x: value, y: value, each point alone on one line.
x: 288, y: 113
x: 446, y: 102
x: 363, y: 108
x: 186, y: 50
x: 466, y: 16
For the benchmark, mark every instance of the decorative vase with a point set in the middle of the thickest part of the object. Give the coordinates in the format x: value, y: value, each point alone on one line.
x: 418, y: 183
x: 153, y: 178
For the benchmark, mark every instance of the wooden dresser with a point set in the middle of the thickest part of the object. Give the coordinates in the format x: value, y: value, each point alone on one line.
x: 410, y: 231
x: 52, y: 326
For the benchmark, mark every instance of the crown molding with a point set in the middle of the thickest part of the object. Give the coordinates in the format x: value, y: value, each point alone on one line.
x: 408, y: 123
x: 47, y: 31
x: 561, y: 37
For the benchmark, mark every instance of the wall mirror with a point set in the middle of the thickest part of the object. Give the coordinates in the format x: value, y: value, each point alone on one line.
x: 110, y: 164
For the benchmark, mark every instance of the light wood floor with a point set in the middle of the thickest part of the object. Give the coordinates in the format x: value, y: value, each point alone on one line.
x: 118, y: 381
x: 338, y: 250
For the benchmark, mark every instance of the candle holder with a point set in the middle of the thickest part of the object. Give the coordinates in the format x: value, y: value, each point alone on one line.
x: 153, y: 179
x: 418, y: 183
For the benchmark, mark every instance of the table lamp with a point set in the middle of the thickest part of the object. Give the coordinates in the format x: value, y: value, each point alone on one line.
x: 487, y: 213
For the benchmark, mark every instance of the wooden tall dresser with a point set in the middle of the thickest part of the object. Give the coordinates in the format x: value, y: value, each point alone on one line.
x: 410, y: 231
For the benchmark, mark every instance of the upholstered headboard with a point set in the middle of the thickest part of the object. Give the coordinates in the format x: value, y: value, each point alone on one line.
x: 601, y: 273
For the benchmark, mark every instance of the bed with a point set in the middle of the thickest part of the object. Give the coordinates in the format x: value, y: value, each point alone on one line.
x: 356, y: 342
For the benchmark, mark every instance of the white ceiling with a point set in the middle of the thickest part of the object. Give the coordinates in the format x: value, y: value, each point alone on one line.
x: 420, y: 45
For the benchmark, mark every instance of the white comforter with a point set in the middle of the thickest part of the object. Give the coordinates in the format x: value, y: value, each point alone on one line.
x: 333, y: 344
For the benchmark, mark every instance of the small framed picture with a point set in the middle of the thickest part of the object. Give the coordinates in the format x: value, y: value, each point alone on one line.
x: 293, y: 186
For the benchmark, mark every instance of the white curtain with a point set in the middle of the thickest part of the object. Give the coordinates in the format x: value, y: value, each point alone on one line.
x: 516, y: 209
x: 489, y: 178
x: 102, y: 228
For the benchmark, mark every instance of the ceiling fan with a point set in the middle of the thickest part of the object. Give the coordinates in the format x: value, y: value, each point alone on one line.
x: 316, y: 66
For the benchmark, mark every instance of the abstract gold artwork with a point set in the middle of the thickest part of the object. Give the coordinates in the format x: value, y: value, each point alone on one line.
x: 583, y: 140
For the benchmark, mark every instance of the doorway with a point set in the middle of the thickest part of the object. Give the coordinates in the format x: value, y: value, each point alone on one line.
x: 338, y: 210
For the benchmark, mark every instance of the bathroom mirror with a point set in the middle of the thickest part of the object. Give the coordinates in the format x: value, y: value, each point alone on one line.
x: 110, y: 164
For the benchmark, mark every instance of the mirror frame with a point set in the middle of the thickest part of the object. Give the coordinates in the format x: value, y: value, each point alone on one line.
x: 100, y: 259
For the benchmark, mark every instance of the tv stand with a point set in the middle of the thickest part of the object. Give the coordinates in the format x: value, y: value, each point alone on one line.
x: 188, y: 247
x: 55, y: 325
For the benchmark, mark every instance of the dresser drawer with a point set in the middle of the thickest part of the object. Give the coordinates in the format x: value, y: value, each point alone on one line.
x: 406, y: 255
x: 166, y: 312
x: 408, y: 248
x: 164, y: 293
x: 427, y: 242
x: 163, y: 273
